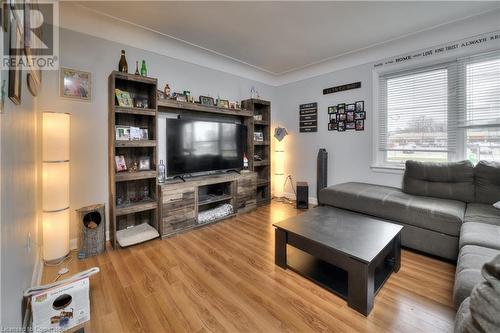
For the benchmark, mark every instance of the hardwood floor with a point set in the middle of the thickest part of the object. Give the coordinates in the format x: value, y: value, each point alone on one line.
x: 222, y: 278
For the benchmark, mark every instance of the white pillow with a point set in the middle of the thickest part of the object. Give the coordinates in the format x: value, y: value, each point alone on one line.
x: 497, y: 205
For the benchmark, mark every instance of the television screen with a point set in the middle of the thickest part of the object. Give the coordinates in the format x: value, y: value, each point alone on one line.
x: 197, y: 146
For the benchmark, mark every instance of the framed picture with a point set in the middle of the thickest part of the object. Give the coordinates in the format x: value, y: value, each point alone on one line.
x: 332, y: 118
x: 144, y: 163
x: 205, y: 100
x: 232, y: 105
x: 333, y: 126
x: 144, y: 134
x: 360, y: 125
x: 135, y: 133
x: 123, y: 98
x: 32, y: 46
x: 121, y: 165
x: 350, y: 107
x: 341, y: 108
x: 359, y: 115
x: 360, y: 106
x: 77, y: 84
x: 122, y: 133
x: 180, y: 97
x: 258, y: 136
x: 341, y: 126
x: 350, y: 116
x: 223, y: 103
x: 350, y: 125
x: 342, y: 117
x: 332, y: 109
x: 15, y: 72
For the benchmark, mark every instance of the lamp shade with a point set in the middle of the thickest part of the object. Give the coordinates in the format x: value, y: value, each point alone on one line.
x: 55, y: 234
x: 55, y: 185
x: 55, y: 146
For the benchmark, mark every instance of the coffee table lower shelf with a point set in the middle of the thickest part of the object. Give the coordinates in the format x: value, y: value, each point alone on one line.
x: 329, y: 276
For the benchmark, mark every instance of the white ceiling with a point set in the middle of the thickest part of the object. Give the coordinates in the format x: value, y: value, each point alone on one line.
x: 280, y: 37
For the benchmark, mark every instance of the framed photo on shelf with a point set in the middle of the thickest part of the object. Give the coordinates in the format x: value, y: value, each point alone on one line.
x: 144, y: 134
x: 121, y: 165
x: 144, y: 163
x: 135, y: 133
x: 258, y: 136
x: 122, y: 133
x: 206, y: 100
x: 77, y: 84
x: 123, y: 98
x: 223, y: 103
x: 360, y: 106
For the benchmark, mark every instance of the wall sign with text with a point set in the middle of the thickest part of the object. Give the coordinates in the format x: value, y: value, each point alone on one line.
x: 308, y: 118
x: 344, y: 87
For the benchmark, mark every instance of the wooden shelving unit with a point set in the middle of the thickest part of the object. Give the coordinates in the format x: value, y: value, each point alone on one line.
x: 133, y: 196
x: 261, y: 148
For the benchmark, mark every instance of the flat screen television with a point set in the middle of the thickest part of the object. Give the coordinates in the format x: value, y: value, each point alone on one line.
x: 201, y: 146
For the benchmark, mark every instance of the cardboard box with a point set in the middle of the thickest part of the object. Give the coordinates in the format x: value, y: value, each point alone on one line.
x: 61, y: 308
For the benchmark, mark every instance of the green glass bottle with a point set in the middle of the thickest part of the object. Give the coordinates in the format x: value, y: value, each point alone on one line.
x: 144, y: 70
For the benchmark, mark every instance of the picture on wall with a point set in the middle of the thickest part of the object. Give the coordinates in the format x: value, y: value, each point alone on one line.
x: 308, y: 118
x: 15, y: 72
x: 75, y: 84
x: 347, y: 116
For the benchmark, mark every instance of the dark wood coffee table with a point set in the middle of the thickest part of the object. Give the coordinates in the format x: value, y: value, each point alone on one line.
x: 348, y: 253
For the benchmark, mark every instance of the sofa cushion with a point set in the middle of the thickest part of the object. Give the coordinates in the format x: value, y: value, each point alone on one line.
x: 483, y: 213
x: 487, y: 182
x: 441, y: 215
x: 463, y: 318
x: 470, y: 260
x: 486, y: 235
x: 441, y: 180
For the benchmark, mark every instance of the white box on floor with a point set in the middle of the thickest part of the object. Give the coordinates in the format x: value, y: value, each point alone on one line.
x: 62, y: 307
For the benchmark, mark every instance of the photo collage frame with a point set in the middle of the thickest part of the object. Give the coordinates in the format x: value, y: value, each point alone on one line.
x: 342, y: 117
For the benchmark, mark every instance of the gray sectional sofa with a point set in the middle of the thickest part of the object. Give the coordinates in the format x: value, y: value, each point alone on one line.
x: 446, y: 210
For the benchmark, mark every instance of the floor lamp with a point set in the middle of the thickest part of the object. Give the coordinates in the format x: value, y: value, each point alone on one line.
x: 55, y: 185
x: 279, y: 162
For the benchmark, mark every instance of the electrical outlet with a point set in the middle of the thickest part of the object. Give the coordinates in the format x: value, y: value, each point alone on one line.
x: 28, y: 242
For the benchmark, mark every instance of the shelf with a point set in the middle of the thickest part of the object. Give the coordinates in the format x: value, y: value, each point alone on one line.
x: 138, y: 111
x: 135, y: 78
x: 261, y: 143
x: 260, y: 163
x: 126, y: 176
x: 136, y: 207
x: 135, y: 143
x: 262, y: 182
x: 214, y: 199
x: 261, y: 122
x: 171, y: 104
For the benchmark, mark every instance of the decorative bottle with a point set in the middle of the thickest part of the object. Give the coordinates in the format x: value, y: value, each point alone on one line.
x: 122, y: 64
x: 137, y: 68
x: 245, y: 161
x: 144, y: 69
x: 161, y: 172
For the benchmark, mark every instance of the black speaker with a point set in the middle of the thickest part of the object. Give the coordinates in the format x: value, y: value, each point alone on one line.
x: 322, y: 171
x: 302, y: 195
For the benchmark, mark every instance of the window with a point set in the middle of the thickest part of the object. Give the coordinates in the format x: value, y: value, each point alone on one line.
x: 482, y: 105
x: 441, y: 113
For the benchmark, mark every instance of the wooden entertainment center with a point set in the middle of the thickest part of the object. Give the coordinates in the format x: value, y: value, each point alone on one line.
x: 174, y: 206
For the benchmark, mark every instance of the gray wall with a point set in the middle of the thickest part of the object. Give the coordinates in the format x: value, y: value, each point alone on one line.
x: 89, y: 145
x: 18, y: 213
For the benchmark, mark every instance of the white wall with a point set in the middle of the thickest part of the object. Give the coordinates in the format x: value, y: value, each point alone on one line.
x: 350, y: 152
x: 89, y: 145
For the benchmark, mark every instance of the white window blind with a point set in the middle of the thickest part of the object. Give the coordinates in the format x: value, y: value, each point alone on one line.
x: 479, y: 96
x: 442, y: 112
x: 415, y: 114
